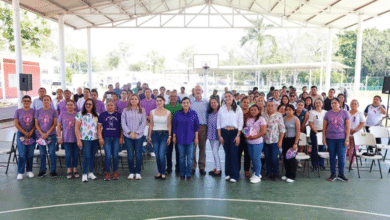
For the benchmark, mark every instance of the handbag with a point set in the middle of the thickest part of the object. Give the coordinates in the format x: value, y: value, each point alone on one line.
x: 27, y: 141
x: 42, y: 141
x: 291, y: 153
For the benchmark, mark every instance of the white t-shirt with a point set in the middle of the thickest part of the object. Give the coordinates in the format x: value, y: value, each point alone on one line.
x: 374, y: 115
x: 182, y: 95
x: 356, y: 119
x: 317, y: 118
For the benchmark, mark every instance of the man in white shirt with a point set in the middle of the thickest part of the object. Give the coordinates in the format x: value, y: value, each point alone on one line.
x: 162, y: 93
x: 87, y: 95
x: 38, y: 103
x: 182, y: 93
x: 223, y: 94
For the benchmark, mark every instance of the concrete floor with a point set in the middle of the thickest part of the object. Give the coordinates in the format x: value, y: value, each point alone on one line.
x: 204, y: 197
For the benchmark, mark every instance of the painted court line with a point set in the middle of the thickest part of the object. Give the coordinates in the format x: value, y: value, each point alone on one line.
x: 196, y: 216
x: 197, y: 199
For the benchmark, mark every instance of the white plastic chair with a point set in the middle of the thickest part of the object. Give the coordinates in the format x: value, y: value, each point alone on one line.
x: 324, y: 155
x: 302, y: 155
x: 8, y: 136
x: 367, y: 139
x: 381, y: 132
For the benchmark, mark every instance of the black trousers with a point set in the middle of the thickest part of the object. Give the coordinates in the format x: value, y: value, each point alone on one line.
x: 169, y: 157
x: 291, y: 164
x: 244, y: 147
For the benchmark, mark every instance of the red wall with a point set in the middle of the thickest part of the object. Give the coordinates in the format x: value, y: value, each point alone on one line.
x: 28, y: 68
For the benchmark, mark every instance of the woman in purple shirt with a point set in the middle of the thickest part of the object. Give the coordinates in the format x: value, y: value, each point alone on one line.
x: 185, y: 134
x: 335, y: 135
x: 212, y: 135
x: 133, y: 124
x: 110, y: 136
x: 24, y: 122
x: 121, y: 104
x: 45, y: 123
x: 67, y: 137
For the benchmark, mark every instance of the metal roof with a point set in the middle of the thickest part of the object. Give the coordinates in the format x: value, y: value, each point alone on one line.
x: 339, y: 14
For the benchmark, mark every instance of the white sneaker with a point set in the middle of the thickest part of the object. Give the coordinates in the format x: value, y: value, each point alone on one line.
x: 233, y: 180
x: 84, y: 178
x: 289, y: 180
x: 30, y: 174
x: 253, y: 175
x: 255, y: 179
x: 152, y: 154
x: 20, y: 176
x: 137, y: 176
x: 131, y: 176
x: 227, y: 177
x: 92, y: 176
x: 284, y: 178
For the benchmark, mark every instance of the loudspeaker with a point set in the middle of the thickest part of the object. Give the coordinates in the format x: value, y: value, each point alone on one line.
x: 25, y: 82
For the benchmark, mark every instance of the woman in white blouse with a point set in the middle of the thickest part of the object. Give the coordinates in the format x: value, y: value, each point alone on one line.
x: 357, y: 123
x: 316, y: 119
x: 160, y: 128
x: 229, y: 124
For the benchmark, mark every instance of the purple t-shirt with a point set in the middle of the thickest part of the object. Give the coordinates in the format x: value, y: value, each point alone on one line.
x: 336, y: 124
x: 148, y: 105
x: 120, y: 105
x: 111, y: 124
x: 61, y: 107
x: 100, y: 108
x: 68, y: 122
x: 46, y: 119
x: 26, y: 118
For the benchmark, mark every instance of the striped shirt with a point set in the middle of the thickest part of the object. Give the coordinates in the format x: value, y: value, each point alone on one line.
x: 200, y: 107
x: 133, y: 121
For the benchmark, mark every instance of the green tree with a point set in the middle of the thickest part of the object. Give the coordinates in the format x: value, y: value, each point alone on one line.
x: 77, y: 58
x: 113, y: 59
x: 157, y: 61
x: 257, y: 36
x: 69, y: 74
x: 33, y: 30
x: 187, y: 56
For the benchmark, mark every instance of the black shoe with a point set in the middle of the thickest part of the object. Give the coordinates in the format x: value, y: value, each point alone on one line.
x: 168, y: 171
x: 177, y: 172
x: 217, y: 174
x: 202, y: 172
x: 193, y: 171
x: 163, y: 178
x: 314, y: 168
x: 332, y: 177
x: 182, y: 178
x: 158, y: 177
x: 41, y: 174
x: 342, y: 178
x: 211, y: 173
x: 322, y: 167
x: 53, y: 174
x: 274, y: 177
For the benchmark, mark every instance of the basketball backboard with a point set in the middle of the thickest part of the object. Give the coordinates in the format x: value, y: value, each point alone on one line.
x: 203, y: 60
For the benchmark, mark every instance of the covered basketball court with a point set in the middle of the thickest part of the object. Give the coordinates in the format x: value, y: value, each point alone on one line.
x: 204, y: 197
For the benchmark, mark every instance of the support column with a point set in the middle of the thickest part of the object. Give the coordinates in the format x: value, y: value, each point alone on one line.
x: 205, y: 82
x: 61, y: 28
x: 90, y: 84
x: 358, y: 62
x: 18, y: 49
x: 328, y: 61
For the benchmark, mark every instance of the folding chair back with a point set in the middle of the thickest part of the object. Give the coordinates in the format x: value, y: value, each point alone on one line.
x: 319, y: 138
x: 6, y: 135
x: 364, y: 139
x: 302, y: 140
x: 379, y: 132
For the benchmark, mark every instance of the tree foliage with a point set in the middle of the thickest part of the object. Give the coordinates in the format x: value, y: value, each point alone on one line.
x: 156, y: 61
x: 33, y: 30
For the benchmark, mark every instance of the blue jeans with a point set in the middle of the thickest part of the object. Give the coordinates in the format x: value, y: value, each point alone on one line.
x: 186, y: 155
x: 315, y: 159
x: 255, y: 154
x: 111, y: 148
x: 336, y: 148
x: 271, y: 152
x: 159, y: 139
x: 52, y: 152
x: 26, y: 153
x: 89, y: 151
x: 232, y: 159
x: 134, y: 146
x: 71, y: 154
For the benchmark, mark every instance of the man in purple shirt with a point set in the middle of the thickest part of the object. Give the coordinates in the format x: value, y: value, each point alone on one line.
x: 148, y: 103
x: 100, y: 108
x: 142, y: 96
x: 62, y: 105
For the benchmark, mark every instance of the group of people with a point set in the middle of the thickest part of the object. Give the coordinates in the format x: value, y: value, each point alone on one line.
x: 167, y: 120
